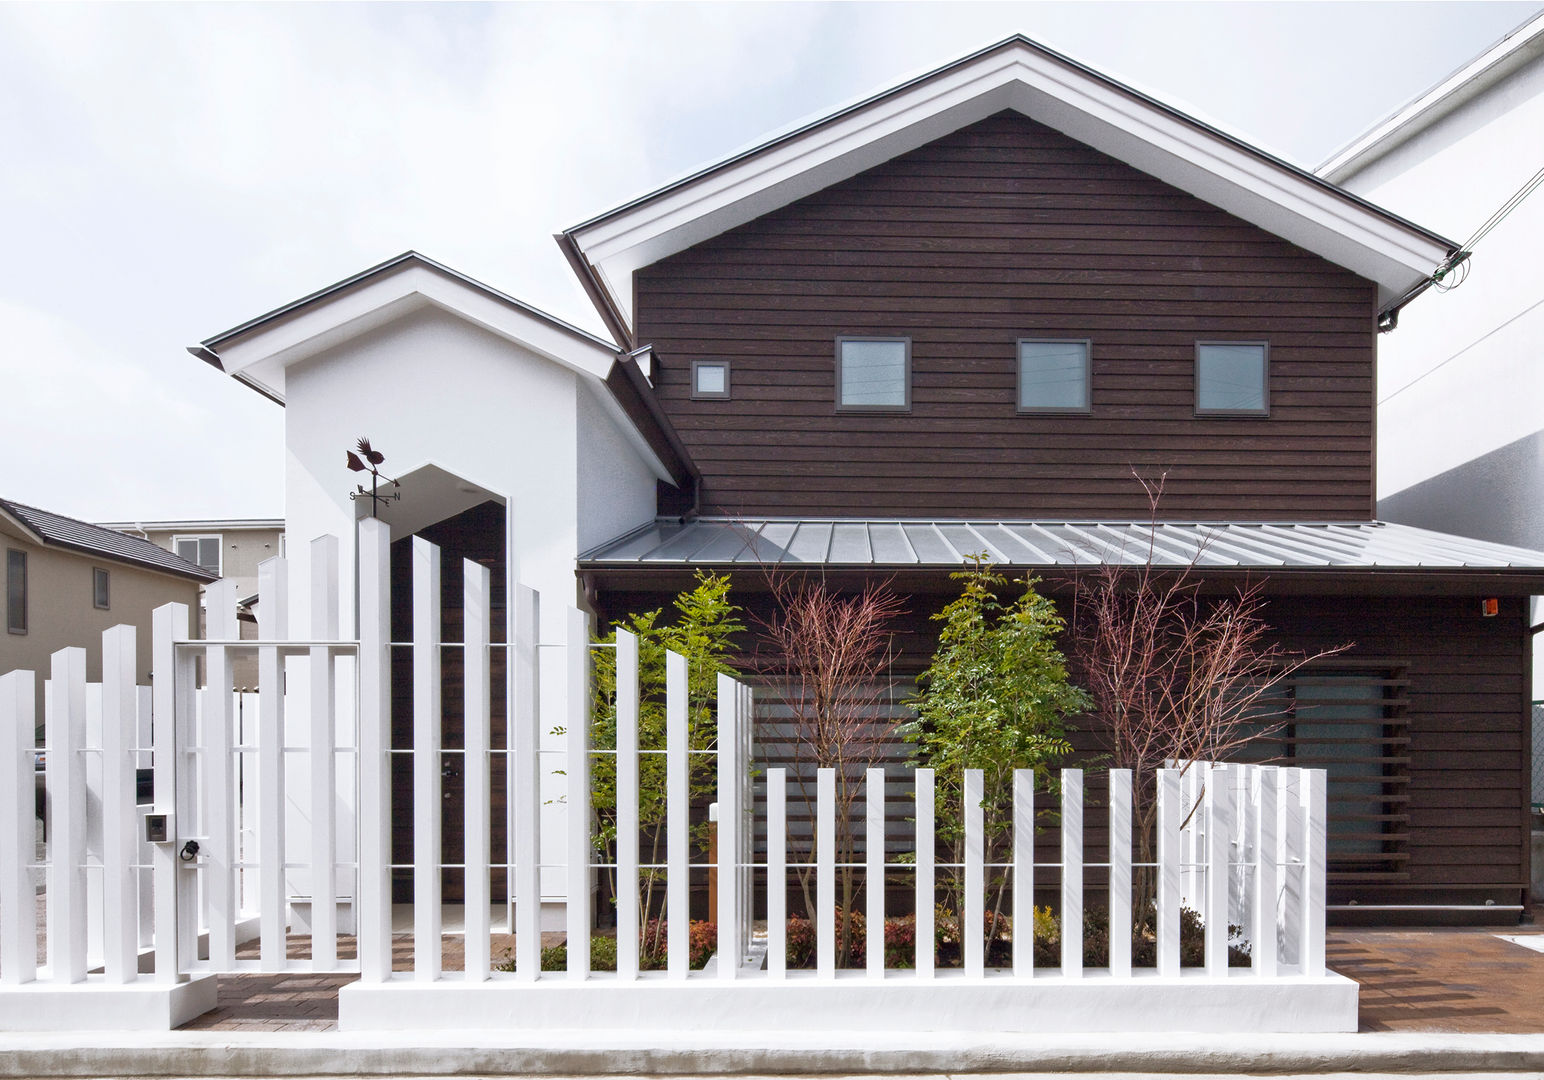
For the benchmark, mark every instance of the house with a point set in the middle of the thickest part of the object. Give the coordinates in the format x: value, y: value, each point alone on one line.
x: 66, y: 581
x: 954, y: 317
x: 1465, y: 362
x: 227, y: 548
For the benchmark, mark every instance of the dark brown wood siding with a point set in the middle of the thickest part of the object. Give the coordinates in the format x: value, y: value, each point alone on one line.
x: 1008, y: 229
x: 1465, y: 710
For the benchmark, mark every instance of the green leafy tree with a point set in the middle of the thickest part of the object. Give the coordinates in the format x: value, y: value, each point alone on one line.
x: 702, y: 627
x: 995, y: 697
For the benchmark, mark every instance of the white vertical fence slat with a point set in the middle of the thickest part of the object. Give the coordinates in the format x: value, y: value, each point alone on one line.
x: 324, y: 737
x: 1023, y: 871
x: 273, y: 894
x: 578, y: 766
x: 1241, y: 876
x: 1072, y: 873
x: 627, y: 804
x: 1315, y: 842
x: 1219, y: 832
x: 168, y: 622
x: 677, y: 822
x: 926, y: 933
x: 524, y: 772
x: 777, y: 872
x: 1290, y: 816
x: 729, y: 780
x: 218, y: 852
x: 192, y: 898
x: 477, y: 728
x: 65, y: 736
x: 1170, y: 808
x: 427, y: 807
x: 874, y: 880
x: 1120, y: 872
x: 1263, y: 942
x: 120, y: 894
x: 825, y: 872
x: 747, y: 822
x: 18, y: 908
x: 374, y: 764
x: 973, y: 915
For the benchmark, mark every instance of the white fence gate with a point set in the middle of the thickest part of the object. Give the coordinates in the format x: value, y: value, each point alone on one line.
x: 1239, y: 844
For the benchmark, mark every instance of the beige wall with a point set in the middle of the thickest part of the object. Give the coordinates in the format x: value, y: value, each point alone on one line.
x: 240, y: 551
x: 60, y: 612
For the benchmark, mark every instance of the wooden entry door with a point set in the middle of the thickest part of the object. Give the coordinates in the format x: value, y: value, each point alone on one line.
x: 477, y: 534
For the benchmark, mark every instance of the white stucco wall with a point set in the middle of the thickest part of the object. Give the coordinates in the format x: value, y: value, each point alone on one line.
x: 431, y: 388
x: 617, y: 488
x: 1461, y: 381
x: 1486, y: 334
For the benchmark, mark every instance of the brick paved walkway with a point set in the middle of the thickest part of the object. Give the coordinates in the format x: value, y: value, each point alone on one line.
x: 1431, y: 980
x: 1447, y: 979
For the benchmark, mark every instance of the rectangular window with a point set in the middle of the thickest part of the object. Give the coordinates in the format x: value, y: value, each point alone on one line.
x: 1352, y: 724
x: 203, y: 550
x: 1053, y: 375
x: 16, y: 591
x: 99, y: 588
x: 1232, y: 378
x: 710, y: 380
x: 873, y: 374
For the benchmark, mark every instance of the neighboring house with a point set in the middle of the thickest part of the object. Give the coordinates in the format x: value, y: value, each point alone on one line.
x: 66, y: 581
x: 1460, y: 428
x: 228, y: 548
x: 952, y: 318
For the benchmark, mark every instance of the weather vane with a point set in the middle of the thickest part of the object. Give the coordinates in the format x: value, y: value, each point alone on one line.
x: 369, y: 460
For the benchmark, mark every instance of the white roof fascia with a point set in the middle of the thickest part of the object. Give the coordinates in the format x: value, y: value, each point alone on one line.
x: 261, y: 356
x: 206, y: 524
x: 1424, y: 110
x: 1051, y: 91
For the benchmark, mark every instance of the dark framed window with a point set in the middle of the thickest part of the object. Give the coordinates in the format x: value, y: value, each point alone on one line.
x: 15, y: 591
x: 1232, y: 378
x: 100, y: 595
x: 202, y: 550
x: 710, y: 380
x: 1353, y: 723
x: 873, y: 374
x: 1055, y: 375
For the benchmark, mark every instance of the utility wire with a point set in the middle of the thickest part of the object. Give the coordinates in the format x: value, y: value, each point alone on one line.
x: 1460, y: 257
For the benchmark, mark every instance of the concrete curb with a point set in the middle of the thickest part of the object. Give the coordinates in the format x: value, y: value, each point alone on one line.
x: 243, y: 1054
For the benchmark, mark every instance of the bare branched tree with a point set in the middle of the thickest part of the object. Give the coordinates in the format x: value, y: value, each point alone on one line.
x: 826, y: 658
x: 1175, y: 676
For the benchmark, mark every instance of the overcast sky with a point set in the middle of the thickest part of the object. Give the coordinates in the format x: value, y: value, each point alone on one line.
x: 167, y: 172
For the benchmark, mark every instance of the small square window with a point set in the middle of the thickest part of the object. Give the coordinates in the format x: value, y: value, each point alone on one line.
x: 710, y: 379
x: 16, y: 591
x: 873, y: 374
x: 1053, y: 375
x: 99, y: 588
x: 1232, y: 378
x: 202, y: 550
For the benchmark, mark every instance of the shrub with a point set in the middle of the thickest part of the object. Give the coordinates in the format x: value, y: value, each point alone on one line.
x: 701, y: 942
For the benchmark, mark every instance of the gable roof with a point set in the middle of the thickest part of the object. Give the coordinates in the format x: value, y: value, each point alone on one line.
x: 56, y: 530
x: 1020, y: 75
x: 258, y: 351
x: 1517, y: 48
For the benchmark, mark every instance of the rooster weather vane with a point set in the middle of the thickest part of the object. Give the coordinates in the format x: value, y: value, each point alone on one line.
x: 369, y: 460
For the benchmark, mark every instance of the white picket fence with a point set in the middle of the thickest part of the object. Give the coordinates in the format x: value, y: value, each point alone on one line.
x: 1239, y: 844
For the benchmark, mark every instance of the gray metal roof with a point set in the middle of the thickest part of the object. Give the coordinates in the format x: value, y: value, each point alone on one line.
x: 917, y: 543
x: 61, y: 531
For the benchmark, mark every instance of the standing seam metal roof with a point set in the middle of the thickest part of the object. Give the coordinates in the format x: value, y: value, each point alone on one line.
x: 859, y: 542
